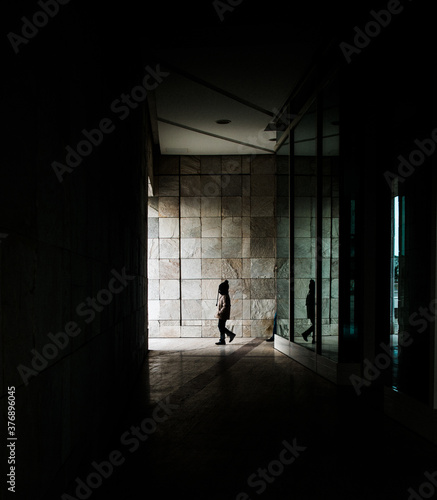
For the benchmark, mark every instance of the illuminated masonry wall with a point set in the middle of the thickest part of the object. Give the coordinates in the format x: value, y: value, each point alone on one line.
x: 212, y: 218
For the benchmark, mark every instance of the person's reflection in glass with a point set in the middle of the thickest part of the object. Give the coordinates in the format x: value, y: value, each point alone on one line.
x: 310, y: 303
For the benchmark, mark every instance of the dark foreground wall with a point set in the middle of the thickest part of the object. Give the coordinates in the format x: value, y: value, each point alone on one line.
x: 73, y: 277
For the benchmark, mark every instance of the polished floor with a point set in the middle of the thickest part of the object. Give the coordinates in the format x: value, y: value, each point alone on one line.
x: 243, y: 421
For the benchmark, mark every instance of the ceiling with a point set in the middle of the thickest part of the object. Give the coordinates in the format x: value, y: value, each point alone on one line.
x: 241, y: 68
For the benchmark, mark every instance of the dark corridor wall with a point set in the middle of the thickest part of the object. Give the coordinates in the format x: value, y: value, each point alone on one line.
x: 73, y: 277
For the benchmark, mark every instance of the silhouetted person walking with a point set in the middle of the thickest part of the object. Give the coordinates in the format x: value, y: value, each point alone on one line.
x: 310, y: 303
x: 224, y: 312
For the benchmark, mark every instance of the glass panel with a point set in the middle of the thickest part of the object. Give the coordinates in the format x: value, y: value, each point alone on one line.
x: 305, y: 200
x: 283, y: 241
x: 412, y: 313
x: 330, y: 222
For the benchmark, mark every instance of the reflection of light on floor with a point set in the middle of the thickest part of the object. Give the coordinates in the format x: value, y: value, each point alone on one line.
x: 329, y: 345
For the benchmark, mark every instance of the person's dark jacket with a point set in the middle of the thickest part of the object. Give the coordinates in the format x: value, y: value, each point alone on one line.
x: 224, y: 307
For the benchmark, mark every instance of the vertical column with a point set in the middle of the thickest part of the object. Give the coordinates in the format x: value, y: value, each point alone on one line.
x: 319, y: 221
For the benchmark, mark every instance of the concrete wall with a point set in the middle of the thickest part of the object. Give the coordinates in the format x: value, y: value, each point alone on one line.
x: 62, y: 245
x: 212, y: 218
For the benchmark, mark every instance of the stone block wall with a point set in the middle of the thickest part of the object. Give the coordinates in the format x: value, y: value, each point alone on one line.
x: 212, y: 218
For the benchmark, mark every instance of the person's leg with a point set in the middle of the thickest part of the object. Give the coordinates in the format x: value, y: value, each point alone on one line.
x: 230, y: 334
x: 222, y: 329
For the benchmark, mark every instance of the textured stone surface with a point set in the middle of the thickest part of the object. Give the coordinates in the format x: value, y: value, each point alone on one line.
x: 231, y: 247
x: 168, y: 185
x: 262, y: 268
x: 211, y: 268
x: 210, y: 207
x: 190, y: 206
x: 169, y: 248
x: 168, y: 206
x: 190, y: 165
x: 168, y: 228
x: 190, y: 248
x: 191, y: 288
x: 211, y: 227
x: 232, y: 268
x: 191, y: 268
x: 190, y: 227
x: 169, y: 269
x: 169, y: 289
x: 226, y: 230
x: 231, y: 227
x: 211, y: 247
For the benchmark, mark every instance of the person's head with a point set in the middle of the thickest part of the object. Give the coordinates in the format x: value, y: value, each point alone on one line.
x: 224, y: 288
x: 312, y: 285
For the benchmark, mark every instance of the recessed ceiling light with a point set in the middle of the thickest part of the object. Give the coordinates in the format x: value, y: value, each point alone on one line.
x: 223, y: 121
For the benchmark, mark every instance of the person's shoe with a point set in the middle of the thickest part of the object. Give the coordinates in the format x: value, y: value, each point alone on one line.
x: 231, y: 337
x: 220, y: 342
x: 271, y: 339
x: 305, y: 336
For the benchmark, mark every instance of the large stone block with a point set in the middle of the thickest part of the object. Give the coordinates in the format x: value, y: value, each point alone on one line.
x: 169, y: 310
x: 191, y: 331
x: 153, y: 248
x: 190, y: 206
x: 191, y: 289
x: 262, y: 308
x: 232, y: 247
x: 153, y: 267
x: 262, y: 247
x: 190, y: 248
x: 231, y: 185
x: 169, y: 164
x: 190, y: 227
x: 262, y: 328
x: 211, y: 227
x: 168, y: 228
x: 168, y: 206
x: 231, y: 206
x: 152, y: 207
x: 153, y: 289
x: 191, y: 309
x: 190, y: 185
x: 262, y: 185
x: 169, y: 289
x: 210, y: 164
x: 232, y: 268
x: 210, y: 207
x: 262, y: 206
x: 190, y: 165
x: 231, y: 164
x: 210, y: 288
x: 191, y: 269
x: 169, y: 269
x: 262, y: 227
x: 211, y: 248
x: 262, y: 268
x: 210, y: 186
x: 169, y: 248
x: 211, y: 268
x: 231, y: 227
x: 168, y: 185
x: 262, y: 288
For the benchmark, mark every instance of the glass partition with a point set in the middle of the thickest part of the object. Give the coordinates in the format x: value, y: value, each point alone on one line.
x: 330, y: 222
x: 283, y: 241
x: 304, y: 222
